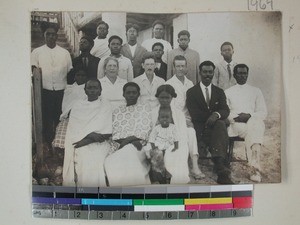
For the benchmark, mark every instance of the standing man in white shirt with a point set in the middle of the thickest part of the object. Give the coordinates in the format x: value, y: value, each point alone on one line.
x: 247, y: 113
x: 53, y: 62
x: 192, y: 57
x: 148, y: 81
x: 101, y: 48
x: 158, y: 30
x: 181, y: 84
x: 133, y: 50
x: 125, y: 66
x: 223, y: 77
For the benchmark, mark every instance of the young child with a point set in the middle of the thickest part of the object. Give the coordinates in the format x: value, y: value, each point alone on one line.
x: 162, y: 138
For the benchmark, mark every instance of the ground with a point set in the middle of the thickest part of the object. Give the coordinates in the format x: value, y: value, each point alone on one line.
x: 50, y: 173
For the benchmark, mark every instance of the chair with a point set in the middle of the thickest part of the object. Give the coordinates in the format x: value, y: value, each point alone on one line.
x: 232, y: 140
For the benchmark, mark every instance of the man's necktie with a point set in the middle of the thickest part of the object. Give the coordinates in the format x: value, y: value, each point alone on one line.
x: 85, y: 61
x: 229, y: 71
x: 207, y: 96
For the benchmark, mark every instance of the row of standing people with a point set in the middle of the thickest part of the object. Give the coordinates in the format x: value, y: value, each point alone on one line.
x: 57, y: 65
x: 208, y: 116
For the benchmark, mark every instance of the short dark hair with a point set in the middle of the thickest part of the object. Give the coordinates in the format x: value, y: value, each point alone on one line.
x: 179, y: 57
x: 167, y: 88
x: 207, y: 63
x: 157, y: 44
x: 148, y: 55
x: 241, y: 65
x: 89, y: 39
x: 131, y: 84
x: 165, y: 109
x: 226, y: 43
x: 184, y: 32
x: 115, y: 37
x: 132, y: 25
x: 94, y: 80
x: 158, y: 22
x: 102, y: 22
x: 46, y: 25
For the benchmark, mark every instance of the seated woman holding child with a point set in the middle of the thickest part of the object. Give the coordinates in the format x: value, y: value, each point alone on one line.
x: 176, y: 159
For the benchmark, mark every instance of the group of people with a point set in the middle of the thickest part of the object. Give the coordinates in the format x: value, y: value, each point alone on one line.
x: 131, y: 114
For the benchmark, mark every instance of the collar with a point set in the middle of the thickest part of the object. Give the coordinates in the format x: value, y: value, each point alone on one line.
x: 144, y: 77
x: 202, y: 86
x: 105, y: 79
x: 132, y: 45
x: 226, y: 63
x: 46, y: 46
x: 121, y: 57
x: 177, y: 80
x: 181, y: 50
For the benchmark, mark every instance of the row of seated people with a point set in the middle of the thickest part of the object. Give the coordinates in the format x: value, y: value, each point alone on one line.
x: 208, y: 121
x: 203, y: 116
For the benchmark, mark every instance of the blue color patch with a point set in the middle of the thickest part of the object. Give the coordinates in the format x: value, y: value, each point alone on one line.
x: 117, y: 202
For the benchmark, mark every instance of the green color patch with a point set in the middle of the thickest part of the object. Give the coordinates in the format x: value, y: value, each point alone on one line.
x: 158, y: 202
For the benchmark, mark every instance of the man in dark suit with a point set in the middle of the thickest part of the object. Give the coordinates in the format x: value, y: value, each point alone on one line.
x: 208, y: 109
x: 133, y: 50
x: 85, y: 60
x: 161, y: 67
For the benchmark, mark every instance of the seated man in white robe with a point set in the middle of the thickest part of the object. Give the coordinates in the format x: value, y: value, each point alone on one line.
x: 247, y: 113
x: 86, y: 146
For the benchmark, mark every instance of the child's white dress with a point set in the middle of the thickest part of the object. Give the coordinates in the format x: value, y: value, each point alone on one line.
x: 164, y: 137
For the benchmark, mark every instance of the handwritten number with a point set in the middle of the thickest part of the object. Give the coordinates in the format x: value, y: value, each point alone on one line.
x: 259, y: 4
x: 270, y: 2
x: 262, y: 5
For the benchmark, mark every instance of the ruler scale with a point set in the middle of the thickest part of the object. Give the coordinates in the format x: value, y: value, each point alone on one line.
x: 142, y: 203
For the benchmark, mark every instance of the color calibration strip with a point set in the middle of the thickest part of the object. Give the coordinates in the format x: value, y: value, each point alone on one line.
x: 142, y: 203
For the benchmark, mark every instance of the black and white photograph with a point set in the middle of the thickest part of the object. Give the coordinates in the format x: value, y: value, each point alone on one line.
x: 125, y: 99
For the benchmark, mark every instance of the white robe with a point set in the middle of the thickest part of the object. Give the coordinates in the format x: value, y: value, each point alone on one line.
x: 246, y: 99
x: 87, y: 117
x: 72, y: 94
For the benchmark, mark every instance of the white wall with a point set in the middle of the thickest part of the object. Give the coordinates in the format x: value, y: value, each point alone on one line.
x: 179, y: 23
x: 145, y: 34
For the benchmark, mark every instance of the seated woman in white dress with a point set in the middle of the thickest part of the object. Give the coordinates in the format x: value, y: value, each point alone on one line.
x: 72, y: 94
x: 112, y: 84
x: 86, y: 145
x: 131, y: 129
